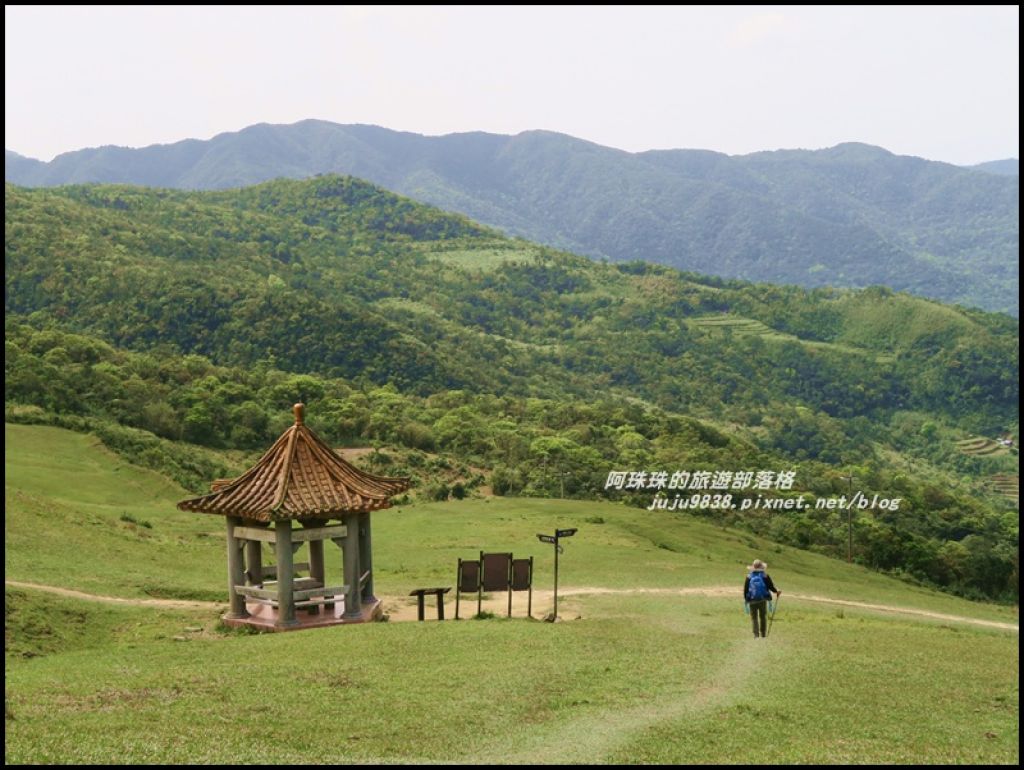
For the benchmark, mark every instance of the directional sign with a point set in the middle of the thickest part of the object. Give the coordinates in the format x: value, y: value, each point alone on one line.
x: 553, y: 540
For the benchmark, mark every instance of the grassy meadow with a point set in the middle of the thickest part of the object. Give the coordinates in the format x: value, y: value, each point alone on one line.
x: 630, y: 676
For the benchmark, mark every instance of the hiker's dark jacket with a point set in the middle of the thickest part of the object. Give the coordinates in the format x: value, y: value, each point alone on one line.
x: 767, y: 581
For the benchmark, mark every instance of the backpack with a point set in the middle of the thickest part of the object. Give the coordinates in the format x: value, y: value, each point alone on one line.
x: 757, y: 590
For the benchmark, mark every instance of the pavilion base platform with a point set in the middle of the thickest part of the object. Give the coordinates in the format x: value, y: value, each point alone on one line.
x: 265, y: 617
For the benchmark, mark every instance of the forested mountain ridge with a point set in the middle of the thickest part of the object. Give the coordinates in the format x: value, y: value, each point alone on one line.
x: 202, y: 316
x: 852, y: 215
x: 239, y: 275
x: 1007, y: 166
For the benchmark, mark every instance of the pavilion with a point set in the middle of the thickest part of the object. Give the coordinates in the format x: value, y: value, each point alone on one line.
x: 299, y: 480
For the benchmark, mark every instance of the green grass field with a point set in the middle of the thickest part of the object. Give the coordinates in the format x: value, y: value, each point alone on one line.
x: 485, y: 259
x: 749, y: 327
x: 897, y: 321
x: 641, y: 676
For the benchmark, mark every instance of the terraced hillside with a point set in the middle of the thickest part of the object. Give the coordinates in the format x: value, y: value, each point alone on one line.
x: 979, y: 446
x: 1006, y: 484
x: 737, y: 325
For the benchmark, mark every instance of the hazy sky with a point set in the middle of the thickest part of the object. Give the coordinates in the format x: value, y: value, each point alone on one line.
x: 941, y: 83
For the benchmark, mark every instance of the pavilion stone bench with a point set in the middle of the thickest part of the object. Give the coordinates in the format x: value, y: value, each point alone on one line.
x: 306, y: 592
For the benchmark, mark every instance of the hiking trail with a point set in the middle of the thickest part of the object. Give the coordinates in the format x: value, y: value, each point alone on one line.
x: 400, y: 608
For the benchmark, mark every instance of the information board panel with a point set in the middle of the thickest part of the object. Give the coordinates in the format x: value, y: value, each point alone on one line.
x: 469, y: 576
x: 497, y: 571
x: 522, y: 574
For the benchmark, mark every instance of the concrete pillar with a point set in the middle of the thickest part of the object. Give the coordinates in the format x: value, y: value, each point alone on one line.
x: 285, y: 575
x: 236, y: 572
x: 366, y: 556
x: 253, y: 562
x: 316, y: 563
x: 316, y: 559
x: 350, y: 555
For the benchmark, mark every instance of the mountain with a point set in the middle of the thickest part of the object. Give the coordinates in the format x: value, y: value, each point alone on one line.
x: 1007, y: 167
x: 852, y: 215
x: 151, y: 316
x: 19, y: 167
x: 337, y: 276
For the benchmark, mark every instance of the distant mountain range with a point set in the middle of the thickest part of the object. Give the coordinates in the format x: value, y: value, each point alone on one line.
x: 851, y: 215
x: 1008, y: 166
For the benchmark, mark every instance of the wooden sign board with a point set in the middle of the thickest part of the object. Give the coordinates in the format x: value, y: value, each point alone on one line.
x: 522, y: 574
x: 497, y: 571
x: 469, y: 576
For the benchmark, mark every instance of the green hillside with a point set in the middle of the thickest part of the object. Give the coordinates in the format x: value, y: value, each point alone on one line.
x: 850, y: 215
x: 148, y: 317
x: 66, y: 491
x: 306, y: 275
x: 653, y: 662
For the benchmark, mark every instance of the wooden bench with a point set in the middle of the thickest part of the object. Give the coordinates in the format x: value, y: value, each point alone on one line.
x: 307, y: 592
x: 419, y: 593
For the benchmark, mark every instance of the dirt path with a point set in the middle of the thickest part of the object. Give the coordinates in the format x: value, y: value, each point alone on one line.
x: 403, y: 608
x: 730, y: 591
x: 907, y: 611
x: 169, y: 603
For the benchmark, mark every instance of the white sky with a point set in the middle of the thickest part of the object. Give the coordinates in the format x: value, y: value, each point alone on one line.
x: 941, y: 83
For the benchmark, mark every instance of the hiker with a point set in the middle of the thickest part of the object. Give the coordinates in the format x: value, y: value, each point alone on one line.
x: 757, y: 590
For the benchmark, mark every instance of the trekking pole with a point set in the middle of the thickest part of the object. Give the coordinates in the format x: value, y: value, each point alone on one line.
x: 778, y: 598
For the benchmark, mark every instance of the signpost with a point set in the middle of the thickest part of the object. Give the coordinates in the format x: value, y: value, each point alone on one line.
x: 553, y: 540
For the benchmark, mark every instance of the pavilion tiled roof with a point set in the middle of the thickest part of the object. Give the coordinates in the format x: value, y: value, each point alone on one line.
x: 299, y: 477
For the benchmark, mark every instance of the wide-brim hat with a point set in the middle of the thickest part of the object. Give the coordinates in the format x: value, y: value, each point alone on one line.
x: 758, y: 565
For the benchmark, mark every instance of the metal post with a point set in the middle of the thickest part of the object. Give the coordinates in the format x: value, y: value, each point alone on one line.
x: 556, y: 579
x: 509, y: 583
x: 480, y: 586
x: 529, y: 599
x: 458, y: 587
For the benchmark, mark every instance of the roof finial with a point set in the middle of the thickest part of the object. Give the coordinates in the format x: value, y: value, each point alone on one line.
x: 300, y: 413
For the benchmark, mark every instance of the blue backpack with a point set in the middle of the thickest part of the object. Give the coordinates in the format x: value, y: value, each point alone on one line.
x: 757, y: 590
